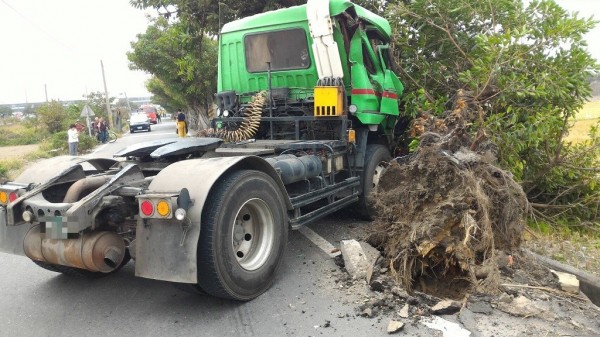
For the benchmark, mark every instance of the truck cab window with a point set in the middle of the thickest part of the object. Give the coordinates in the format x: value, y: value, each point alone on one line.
x: 285, y: 49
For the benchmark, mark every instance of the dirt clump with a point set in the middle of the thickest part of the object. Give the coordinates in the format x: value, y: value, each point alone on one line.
x: 446, y: 213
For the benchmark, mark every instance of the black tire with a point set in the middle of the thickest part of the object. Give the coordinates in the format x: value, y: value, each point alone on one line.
x: 243, y: 236
x: 77, y: 272
x: 130, y: 130
x: 149, y: 129
x: 376, y: 158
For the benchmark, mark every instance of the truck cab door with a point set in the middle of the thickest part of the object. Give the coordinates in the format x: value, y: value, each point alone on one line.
x: 392, y: 87
x: 367, y: 80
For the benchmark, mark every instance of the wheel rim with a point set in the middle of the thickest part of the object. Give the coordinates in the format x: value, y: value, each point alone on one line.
x: 379, y: 169
x: 253, y: 234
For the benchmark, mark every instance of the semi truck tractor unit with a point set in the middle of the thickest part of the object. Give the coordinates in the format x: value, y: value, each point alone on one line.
x: 306, y: 121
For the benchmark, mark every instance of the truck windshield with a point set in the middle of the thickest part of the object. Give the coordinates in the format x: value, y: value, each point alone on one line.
x: 285, y: 49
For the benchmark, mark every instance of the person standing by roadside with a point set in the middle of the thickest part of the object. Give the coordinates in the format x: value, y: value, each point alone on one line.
x: 103, y: 128
x: 95, y: 131
x: 73, y: 139
x: 182, y: 129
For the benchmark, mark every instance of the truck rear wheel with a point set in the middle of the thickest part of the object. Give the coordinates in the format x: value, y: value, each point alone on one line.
x: 243, y: 236
x: 376, y: 158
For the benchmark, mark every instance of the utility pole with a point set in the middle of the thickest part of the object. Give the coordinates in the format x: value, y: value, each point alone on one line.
x: 46, y: 91
x: 109, y: 113
x: 127, y: 101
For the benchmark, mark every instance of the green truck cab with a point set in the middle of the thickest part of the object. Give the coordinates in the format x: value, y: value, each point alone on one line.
x: 291, y: 51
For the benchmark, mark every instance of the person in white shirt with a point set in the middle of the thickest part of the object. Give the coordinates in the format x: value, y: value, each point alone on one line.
x: 73, y: 139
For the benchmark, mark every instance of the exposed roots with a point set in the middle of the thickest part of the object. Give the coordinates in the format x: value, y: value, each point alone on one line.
x: 445, y: 211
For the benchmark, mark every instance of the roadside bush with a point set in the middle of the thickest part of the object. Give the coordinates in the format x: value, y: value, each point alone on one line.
x: 86, y: 143
x: 53, y: 116
x: 8, y: 165
x: 58, y: 141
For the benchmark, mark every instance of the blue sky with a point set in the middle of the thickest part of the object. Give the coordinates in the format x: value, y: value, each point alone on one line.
x: 58, y: 44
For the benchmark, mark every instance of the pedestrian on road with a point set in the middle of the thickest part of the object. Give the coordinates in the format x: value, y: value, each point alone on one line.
x: 182, y: 128
x: 73, y: 139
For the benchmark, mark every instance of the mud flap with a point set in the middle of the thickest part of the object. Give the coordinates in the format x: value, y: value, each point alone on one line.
x: 11, y: 237
x: 164, y: 250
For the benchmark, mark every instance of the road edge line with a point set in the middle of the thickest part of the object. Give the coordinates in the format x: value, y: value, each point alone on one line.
x: 319, y: 241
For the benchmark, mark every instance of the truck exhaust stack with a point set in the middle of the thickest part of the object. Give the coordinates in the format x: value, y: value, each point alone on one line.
x: 97, y: 252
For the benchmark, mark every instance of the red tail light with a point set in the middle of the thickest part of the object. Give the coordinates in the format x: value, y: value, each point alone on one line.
x: 12, y: 196
x: 147, y: 208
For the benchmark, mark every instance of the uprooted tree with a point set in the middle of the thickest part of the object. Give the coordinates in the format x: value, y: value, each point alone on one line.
x: 493, y: 88
x: 524, y: 70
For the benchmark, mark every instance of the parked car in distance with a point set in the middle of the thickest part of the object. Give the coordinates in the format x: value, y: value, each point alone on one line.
x: 139, y: 122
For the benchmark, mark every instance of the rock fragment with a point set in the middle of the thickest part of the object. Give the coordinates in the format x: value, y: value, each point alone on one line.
x: 446, y: 307
x: 568, y: 282
x: 394, y: 326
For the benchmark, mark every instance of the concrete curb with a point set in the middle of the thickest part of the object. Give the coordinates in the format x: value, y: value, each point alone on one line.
x: 588, y: 283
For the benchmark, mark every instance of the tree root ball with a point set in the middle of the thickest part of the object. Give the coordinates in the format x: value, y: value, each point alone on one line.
x: 443, y: 214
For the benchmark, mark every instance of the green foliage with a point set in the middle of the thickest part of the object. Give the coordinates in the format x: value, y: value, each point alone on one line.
x: 5, y: 110
x: 52, y: 115
x: 86, y: 143
x: 38, y: 154
x: 526, y: 70
x: 97, y: 101
x: 58, y: 141
x: 184, y: 73
x: 8, y: 165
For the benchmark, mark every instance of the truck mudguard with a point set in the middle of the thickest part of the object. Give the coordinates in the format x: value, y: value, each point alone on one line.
x: 167, y: 249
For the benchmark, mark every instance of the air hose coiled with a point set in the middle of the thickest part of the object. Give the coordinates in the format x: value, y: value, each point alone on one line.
x: 247, y: 128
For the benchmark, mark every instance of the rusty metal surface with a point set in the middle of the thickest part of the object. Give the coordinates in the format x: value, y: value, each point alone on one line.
x: 85, y: 209
x: 162, y: 250
x: 81, y: 185
x: 89, y: 252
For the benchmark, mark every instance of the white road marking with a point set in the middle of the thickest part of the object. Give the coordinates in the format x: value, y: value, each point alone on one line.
x: 319, y: 241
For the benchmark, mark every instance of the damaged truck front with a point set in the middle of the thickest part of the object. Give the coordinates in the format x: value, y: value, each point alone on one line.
x: 308, y: 116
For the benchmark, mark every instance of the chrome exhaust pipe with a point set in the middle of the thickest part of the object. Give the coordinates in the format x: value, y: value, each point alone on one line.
x: 98, y: 252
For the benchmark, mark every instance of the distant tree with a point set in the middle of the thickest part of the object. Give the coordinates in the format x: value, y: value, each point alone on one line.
x: 525, y: 68
x: 97, y: 101
x: 182, y: 77
x: 52, y: 115
x: 5, y: 110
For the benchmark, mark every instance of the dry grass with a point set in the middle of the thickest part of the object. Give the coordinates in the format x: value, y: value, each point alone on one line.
x: 581, y: 251
x: 579, y: 131
x: 588, y: 116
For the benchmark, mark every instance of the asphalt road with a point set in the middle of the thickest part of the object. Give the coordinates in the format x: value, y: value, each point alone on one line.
x: 305, y: 300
